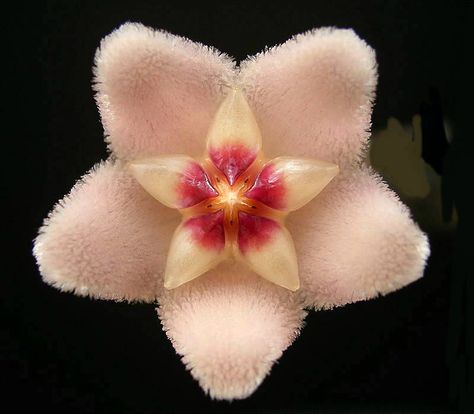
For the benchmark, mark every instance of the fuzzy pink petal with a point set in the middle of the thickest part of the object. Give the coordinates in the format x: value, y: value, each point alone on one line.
x: 157, y: 93
x: 356, y: 240
x: 312, y: 96
x: 230, y: 326
x: 108, y: 238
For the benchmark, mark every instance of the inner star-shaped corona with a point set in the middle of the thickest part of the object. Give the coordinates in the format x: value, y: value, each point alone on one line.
x: 234, y: 202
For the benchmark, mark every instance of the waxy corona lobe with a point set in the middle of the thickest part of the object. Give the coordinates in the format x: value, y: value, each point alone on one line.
x: 233, y: 201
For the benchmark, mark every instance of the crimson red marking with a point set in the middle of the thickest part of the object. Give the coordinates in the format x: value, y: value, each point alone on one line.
x: 232, y: 160
x: 269, y: 188
x: 255, y: 231
x: 208, y: 230
x: 194, y: 186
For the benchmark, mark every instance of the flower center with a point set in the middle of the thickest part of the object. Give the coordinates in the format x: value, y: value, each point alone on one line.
x: 231, y: 197
x: 232, y: 200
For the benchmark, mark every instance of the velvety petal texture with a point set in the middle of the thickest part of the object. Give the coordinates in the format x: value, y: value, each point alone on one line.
x: 108, y: 238
x: 160, y: 95
x: 356, y: 241
x: 230, y: 326
x: 312, y: 96
x: 157, y: 93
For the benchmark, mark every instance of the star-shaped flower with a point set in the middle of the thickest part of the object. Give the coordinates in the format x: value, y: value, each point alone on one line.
x: 308, y: 98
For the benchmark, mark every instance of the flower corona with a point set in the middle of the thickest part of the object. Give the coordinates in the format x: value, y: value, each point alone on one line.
x: 233, y: 201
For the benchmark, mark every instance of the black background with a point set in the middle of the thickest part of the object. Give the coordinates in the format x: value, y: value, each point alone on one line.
x: 406, y: 352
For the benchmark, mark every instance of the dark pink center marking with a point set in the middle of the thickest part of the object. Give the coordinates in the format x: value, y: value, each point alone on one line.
x: 232, y: 160
x: 194, y: 186
x: 269, y: 188
x: 255, y: 231
x: 208, y: 230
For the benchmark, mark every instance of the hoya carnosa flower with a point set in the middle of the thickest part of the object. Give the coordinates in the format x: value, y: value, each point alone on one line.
x: 308, y: 103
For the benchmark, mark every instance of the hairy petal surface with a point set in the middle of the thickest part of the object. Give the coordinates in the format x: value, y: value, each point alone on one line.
x: 108, y: 238
x: 312, y: 96
x: 156, y: 92
x: 356, y: 241
x: 230, y: 326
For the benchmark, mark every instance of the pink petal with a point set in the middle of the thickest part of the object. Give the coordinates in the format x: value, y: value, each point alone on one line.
x: 108, y: 238
x: 230, y: 326
x: 312, y: 96
x: 157, y: 93
x: 356, y: 240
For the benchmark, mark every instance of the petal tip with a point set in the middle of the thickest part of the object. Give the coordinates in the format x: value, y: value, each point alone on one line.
x: 291, y: 283
x: 294, y: 287
x: 173, y: 280
x: 170, y: 283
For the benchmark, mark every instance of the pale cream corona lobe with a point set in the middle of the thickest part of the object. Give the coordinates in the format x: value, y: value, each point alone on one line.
x: 233, y: 201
